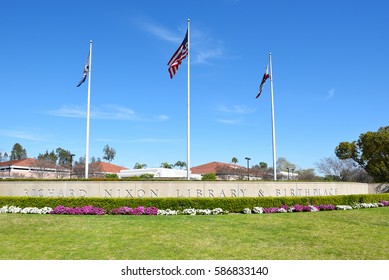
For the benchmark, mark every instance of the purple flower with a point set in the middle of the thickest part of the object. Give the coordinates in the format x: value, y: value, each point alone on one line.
x: 151, y: 210
x: 138, y: 210
x: 298, y: 208
x: 270, y: 210
x: 327, y: 207
x: 384, y: 203
x: 85, y: 210
x: 285, y: 206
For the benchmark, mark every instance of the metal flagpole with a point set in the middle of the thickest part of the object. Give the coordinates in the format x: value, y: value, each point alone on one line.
x: 188, y: 137
x: 88, y: 113
x: 272, y: 119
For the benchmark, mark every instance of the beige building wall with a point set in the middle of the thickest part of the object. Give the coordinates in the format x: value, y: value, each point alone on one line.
x: 146, y: 189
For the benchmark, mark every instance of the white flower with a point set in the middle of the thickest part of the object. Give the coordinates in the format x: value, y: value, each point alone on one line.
x: 281, y: 210
x: 204, y: 211
x: 343, y: 207
x: 366, y: 205
x: 4, y: 209
x: 258, y: 210
x: 46, y: 210
x: 218, y: 211
x: 247, y: 211
x: 189, y: 211
x: 14, y: 209
x: 167, y: 212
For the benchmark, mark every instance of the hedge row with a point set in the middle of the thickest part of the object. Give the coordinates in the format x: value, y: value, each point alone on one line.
x: 233, y: 204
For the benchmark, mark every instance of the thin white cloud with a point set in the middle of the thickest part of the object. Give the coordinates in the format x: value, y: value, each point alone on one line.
x: 204, y: 56
x: 160, y: 32
x: 230, y: 121
x: 204, y: 48
x: 20, y: 134
x: 330, y: 94
x: 232, y: 115
x: 69, y: 112
x: 142, y: 140
x: 108, y: 112
x: 235, y: 109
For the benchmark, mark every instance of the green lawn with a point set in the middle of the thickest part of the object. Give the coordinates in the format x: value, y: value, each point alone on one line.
x: 334, y: 235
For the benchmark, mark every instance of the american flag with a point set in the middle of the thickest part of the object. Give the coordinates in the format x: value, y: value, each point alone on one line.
x: 178, y: 57
x: 264, y: 78
x: 86, y: 71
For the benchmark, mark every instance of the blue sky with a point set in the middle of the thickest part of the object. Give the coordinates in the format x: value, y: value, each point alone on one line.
x: 330, y: 74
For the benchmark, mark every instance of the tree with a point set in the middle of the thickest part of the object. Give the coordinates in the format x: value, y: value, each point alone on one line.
x: 139, y: 165
x: 109, y: 153
x: 307, y: 175
x: 79, y: 168
x: 226, y: 172
x: 48, y: 157
x: 93, y: 159
x: 3, y: 157
x: 283, y: 164
x: 18, y: 152
x: 234, y: 160
x: 209, y: 177
x: 166, y: 165
x: 335, y: 169
x: 65, y: 157
x: 370, y: 152
x: 180, y: 164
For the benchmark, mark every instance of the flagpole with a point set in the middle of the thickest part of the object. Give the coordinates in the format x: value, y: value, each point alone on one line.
x: 188, y: 136
x: 88, y: 113
x: 272, y: 119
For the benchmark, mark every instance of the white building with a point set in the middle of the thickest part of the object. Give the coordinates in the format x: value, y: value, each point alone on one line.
x: 157, y: 173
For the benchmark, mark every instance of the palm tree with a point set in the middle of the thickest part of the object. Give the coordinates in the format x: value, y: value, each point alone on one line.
x: 180, y: 164
x: 234, y: 160
x: 139, y: 165
x: 166, y: 165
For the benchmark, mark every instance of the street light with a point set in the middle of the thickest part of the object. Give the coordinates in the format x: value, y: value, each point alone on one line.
x: 71, y: 165
x: 248, y: 167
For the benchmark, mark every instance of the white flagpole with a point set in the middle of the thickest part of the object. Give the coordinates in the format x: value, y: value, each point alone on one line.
x: 88, y: 113
x: 272, y: 120
x: 188, y: 137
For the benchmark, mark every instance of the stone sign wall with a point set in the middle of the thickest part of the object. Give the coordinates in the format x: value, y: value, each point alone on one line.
x: 150, y: 189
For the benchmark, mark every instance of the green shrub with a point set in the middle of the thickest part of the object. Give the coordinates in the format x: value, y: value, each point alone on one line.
x: 231, y: 204
x: 112, y: 176
x: 146, y: 176
x: 209, y: 177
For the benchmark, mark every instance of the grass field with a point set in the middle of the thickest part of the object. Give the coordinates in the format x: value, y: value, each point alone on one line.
x: 334, y: 235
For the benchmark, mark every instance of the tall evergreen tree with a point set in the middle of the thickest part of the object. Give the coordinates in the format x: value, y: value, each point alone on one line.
x: 109, y: 153
x: 18, y: 152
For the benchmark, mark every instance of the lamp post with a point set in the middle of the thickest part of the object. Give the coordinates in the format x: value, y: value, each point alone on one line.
x: 71, y: 165
x: 248, y: 167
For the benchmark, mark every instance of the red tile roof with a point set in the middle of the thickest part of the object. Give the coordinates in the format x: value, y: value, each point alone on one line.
x: 27, y: 162
x: 107, y: 167
x: 213, y: 167
x: 100, y: 166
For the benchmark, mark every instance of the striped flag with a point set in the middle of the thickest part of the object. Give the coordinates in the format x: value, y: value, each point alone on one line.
x: 264, y: 78
x: 178, y: 57
x: 86, y: 71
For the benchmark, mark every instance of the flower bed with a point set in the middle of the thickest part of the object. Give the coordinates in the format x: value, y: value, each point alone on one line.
x: 85, y: 210
x: 134, y: 211
x: 141, y: 210
x: 27, y: 210
x: 312, y: 208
